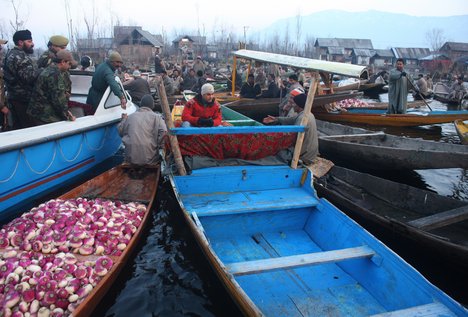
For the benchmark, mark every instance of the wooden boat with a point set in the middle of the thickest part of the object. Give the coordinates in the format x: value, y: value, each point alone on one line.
x: 117, y: 184
x: 462, y: 130
x: 378, y: 150
x: 258, y: 109
x: 414, y: 222
x: 372, y: 89
x: 280, y: 250
x: 38, y: 159
x: 384, y: 105
x: 441, y: 92
x: 380, y: 118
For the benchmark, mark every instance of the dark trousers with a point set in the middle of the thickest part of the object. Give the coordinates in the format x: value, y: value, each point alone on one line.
x: 21, y: 119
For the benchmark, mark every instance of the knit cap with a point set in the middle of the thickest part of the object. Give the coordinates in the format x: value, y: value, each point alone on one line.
x: 147, y: 101
x: 207, y: 89
x: 300, y: 100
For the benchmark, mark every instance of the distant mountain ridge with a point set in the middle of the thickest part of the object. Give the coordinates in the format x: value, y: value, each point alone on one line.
x: 384, y: 29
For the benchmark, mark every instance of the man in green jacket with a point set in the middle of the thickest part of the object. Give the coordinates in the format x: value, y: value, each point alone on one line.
x: 49, y: 101
x: 104, y: 77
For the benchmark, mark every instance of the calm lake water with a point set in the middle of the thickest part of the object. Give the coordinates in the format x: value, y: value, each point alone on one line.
x: 169, y: 275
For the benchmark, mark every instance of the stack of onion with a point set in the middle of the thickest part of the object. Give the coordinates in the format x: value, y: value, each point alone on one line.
x: 39, y: 273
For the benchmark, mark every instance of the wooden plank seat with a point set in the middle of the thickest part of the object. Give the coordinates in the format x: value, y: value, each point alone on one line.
x: 428, y: 310
x: 287, y: 262
x: 441, y: 219
x: 248, y: 201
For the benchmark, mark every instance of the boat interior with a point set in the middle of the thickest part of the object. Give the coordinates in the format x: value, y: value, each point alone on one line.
x: 294, y: 254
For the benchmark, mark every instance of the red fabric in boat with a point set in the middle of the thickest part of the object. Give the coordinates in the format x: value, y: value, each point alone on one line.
x: 241, y: 146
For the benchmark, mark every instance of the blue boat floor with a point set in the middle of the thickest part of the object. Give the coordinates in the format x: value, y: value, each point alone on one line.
x: 248, y: 201
x: 321, y: 290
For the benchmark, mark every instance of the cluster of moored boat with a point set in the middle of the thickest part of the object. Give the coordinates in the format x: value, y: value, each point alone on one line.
x: 279, y: 248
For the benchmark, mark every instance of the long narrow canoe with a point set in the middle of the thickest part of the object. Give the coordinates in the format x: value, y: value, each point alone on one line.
x: 462, y: 131
x: 414, y: 222
x: 118, y: 184
x: 122, y: 190
x: 379, y: 118
x: 281, y: 251
x: 378, y: 150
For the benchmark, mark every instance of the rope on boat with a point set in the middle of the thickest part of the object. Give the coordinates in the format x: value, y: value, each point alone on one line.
x: 77, y: 154
x: 14, y: 171
x: 46, y: 169
x: 102, y: 141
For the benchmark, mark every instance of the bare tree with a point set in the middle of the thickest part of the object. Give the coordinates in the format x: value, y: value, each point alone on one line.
x: 66, y: 4
x: 286, y: 39
x: 18, y: 23
x: 435, y: 38
x: 298, y: 31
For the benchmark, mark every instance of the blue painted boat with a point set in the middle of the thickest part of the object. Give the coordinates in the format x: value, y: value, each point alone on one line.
x: 38, y: 159
x: 281, y: 251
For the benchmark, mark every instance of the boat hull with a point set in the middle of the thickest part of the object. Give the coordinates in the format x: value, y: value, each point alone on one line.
x: 462, y: 131
x: 379, y: 118
x: 253, y: 222
x: 385, y: 208
x: 40, y: 168
x: 378, y: 150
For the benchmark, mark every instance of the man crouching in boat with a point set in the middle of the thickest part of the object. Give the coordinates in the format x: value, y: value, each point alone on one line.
x: 309, y: 149
x: 142, y: 134
x: 203, y: 110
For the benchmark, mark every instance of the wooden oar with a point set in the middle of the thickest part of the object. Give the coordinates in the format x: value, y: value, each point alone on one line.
x: 420, y: 95
x: 170, y: 125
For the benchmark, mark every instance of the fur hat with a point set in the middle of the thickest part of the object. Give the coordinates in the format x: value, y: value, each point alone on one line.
x: 58, y: 40
x: 147, y: 101
x: 300, y: 100
x: 207, y: 89
x: 22, y: 35
x: 115, y: 57
x: 136, y: 73
x: 65, y: 55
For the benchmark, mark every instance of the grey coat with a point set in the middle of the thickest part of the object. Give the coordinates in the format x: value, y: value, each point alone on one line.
x: 310, y: 148
x: 143, y: 135
x: 397, y: 92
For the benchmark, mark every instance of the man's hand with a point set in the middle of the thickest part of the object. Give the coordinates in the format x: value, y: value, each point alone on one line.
x: 269, y: 119
x: 5, y: 110
x: 403, y: 74
x: 202, y: 122
x: 70, y: 116
x: 123, y: 102
x: 124, y: 116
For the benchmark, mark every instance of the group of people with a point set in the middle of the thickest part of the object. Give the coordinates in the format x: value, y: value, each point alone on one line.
x: 36, y: 93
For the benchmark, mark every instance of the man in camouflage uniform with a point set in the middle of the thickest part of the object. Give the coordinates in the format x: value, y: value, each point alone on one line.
x: 20, y: 74
x: 56, y: 44
x: 4, y: 111
x: 49, y: 101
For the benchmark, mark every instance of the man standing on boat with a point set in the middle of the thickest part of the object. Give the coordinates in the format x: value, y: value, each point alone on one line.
x: 4, y: 111
x: 398, y: 89
x: 309, y: 149
x: 137, y: 87
x: 20, y: 74
x: 203, y: 110
x: 104, y: 77
x: 49, y: 100
x: 457, y: 90
x: 143, y: 133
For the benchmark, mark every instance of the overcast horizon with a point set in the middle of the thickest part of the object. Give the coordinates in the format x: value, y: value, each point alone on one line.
x: 207, y: 17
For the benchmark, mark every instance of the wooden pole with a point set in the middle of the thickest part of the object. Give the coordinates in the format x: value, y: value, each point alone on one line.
x: 307, y: 109
x: 234, y: 74
x: 170, y: 125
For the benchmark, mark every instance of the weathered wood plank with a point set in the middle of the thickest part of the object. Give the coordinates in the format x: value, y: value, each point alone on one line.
x: 428, y: 310
x: 252, y: 267
x: 353, y: 136
x: 441, y: 219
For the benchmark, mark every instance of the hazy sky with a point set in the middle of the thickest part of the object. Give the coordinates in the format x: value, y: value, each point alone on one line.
x: 48, y: 17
